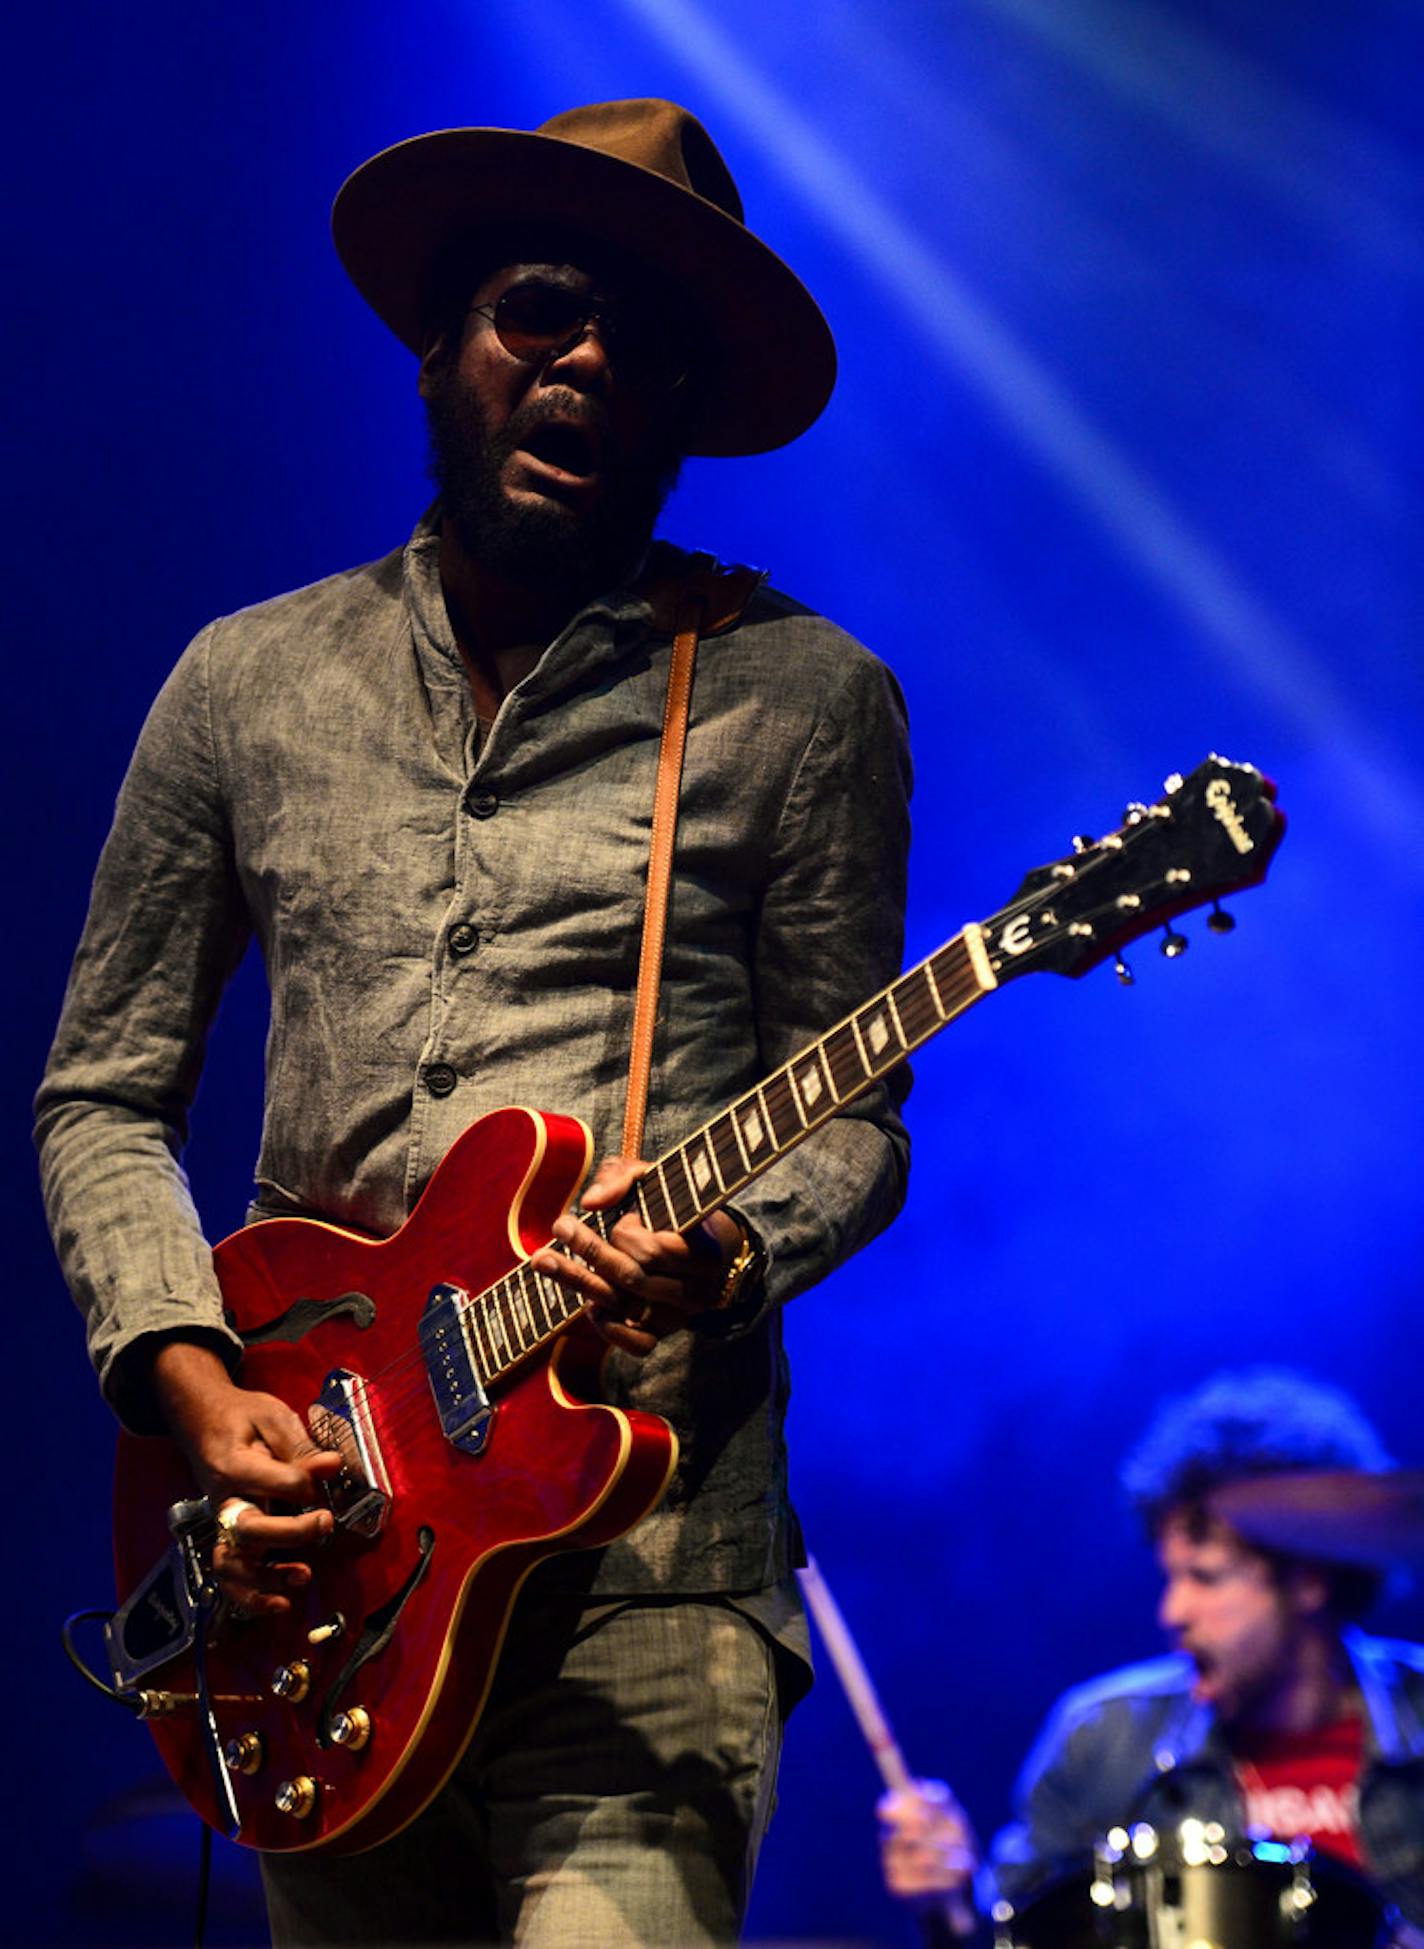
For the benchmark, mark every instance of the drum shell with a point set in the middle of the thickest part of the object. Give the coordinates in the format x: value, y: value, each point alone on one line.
x: 1242, y: 1901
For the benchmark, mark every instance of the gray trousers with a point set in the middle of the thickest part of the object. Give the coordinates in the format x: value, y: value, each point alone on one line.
x: 615, y: 1793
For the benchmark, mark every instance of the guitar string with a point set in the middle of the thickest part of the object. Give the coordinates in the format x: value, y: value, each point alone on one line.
x: 402, y: 1384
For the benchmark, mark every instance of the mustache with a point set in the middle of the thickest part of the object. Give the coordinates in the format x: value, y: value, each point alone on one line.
x: 562, y: 407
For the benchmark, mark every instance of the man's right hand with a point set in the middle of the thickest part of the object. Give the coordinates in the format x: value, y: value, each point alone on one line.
x: 927, y: 1846
x: 252, y: 1447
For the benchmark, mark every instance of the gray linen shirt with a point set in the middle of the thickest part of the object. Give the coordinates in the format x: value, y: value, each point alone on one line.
x: 450, y: 922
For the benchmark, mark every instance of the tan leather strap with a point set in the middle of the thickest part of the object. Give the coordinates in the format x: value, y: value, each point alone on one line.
x: 707, y: 601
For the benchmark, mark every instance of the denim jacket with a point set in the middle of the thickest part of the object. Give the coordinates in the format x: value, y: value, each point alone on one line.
x: 1135, y: 1746
x: 449, y: 921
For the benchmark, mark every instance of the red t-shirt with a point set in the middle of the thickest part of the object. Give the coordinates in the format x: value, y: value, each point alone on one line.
x: 1306, y: 1784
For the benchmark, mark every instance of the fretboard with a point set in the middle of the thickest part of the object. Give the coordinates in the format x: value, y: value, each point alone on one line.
x: 521, y: 1311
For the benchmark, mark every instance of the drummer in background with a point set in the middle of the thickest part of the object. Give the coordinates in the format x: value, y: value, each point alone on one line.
x: 1274, y: 1713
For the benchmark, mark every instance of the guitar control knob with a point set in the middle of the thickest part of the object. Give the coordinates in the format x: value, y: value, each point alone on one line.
x: 297, y: 1797
x: 243, y: 1754
x: 293, y: 1681
x: 351, y: 1729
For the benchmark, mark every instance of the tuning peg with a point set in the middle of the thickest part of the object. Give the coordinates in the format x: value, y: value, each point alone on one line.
x: 1123, y: 972
x: 1083, y: 842
x: 1173, y: 783
x: 1173, y: 945
x: 1135, y: 813
x: 1219, y: 921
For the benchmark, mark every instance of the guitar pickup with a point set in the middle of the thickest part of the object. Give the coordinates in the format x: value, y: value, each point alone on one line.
x: 341, y: 1419
x: 460, y: 1399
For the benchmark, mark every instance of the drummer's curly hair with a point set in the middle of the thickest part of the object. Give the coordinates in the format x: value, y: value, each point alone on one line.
x: 1247, y: 1422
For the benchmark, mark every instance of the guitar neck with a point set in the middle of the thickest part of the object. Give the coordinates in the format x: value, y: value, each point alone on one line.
x: 725, y: 1155
x: 525, y: 1309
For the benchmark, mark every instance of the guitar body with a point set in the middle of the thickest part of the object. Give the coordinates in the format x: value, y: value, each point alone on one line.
x: 560, y: 1471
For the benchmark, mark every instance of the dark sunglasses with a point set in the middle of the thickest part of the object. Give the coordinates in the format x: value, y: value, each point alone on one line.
x: 535, y: 321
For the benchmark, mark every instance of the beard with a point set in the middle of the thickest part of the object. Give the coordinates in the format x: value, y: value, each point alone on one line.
x: 569, y: 551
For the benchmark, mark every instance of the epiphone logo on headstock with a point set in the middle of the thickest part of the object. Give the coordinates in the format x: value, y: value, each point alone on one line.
x: 1017, y: 937
x: 1223, y: 808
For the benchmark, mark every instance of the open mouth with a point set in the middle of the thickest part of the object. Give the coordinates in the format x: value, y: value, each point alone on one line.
x: 564, y: 447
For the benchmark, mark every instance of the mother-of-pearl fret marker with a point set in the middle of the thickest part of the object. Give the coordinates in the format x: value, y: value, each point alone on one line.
x: 752, y: 1132
x: 701, y: 1170
x: 877, y: 1033
x: 810, y: 1080
x: 523, y: 1317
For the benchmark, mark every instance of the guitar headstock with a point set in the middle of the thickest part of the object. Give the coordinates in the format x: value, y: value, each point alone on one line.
x: 1211, y: 834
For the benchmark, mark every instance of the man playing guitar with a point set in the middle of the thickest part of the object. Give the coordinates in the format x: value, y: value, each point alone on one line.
x: 424, y: 786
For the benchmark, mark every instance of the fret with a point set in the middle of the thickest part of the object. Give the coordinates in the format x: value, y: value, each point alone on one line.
x: 844, y: 1063
x: 681, y: 1189
x: 897, y: 1025
x: 727, y: 1151
x: 509, y: 1313
x: 519, y: 1308
x: 701, y: 1163
x: 916, y: 1008
x: 927, y: 968
x: 540, y: 1300
x: 478, y: 1334
x: 877, y: 1033
x: 559, y: 1304
x: 465, y: 1317
x: 752, y: 1127
x: 958, y: 983
x: 498, y: 1331
x: 526, y: 1300
x: 811, y: 1079
x: 656, y: 1201
x: 781, y: 1106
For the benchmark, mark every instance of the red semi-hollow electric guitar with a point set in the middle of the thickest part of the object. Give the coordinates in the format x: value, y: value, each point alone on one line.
x: 460, y: 1387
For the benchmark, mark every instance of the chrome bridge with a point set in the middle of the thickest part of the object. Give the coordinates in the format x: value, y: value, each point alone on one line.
x: 460, y: 1399
x: 341, y: 1419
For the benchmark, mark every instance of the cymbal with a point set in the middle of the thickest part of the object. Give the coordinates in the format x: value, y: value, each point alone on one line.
x: 1373, y: 1521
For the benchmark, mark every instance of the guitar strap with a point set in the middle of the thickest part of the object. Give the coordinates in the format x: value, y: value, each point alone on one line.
x: 707, y: 600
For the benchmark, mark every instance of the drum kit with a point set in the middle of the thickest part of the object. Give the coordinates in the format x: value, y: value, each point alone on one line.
x: 1197, y: 1886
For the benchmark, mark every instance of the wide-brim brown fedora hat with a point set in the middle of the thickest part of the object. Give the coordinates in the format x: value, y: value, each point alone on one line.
x: 642, y: 176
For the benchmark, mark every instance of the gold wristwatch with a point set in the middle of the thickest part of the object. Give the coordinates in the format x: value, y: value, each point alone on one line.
x: 746, y: 1265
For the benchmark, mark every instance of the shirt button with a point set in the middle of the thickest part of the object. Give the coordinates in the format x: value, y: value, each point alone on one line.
x: 481, y: 804
x: 440, y: 1078
x: 463, y: 938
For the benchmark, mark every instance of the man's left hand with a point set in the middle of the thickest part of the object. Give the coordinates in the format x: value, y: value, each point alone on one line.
x: 639, y: 1285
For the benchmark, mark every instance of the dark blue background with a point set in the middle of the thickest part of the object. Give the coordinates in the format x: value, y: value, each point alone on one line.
x: 1124, y: 467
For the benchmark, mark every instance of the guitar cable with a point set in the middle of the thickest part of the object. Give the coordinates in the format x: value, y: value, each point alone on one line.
x: 133, y: 1703
x: 130, y: 1701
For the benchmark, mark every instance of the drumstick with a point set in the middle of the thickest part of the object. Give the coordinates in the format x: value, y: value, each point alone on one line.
x: 956, y: 1913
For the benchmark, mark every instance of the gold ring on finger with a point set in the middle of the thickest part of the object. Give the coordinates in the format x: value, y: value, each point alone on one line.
x: 227, y: 1520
